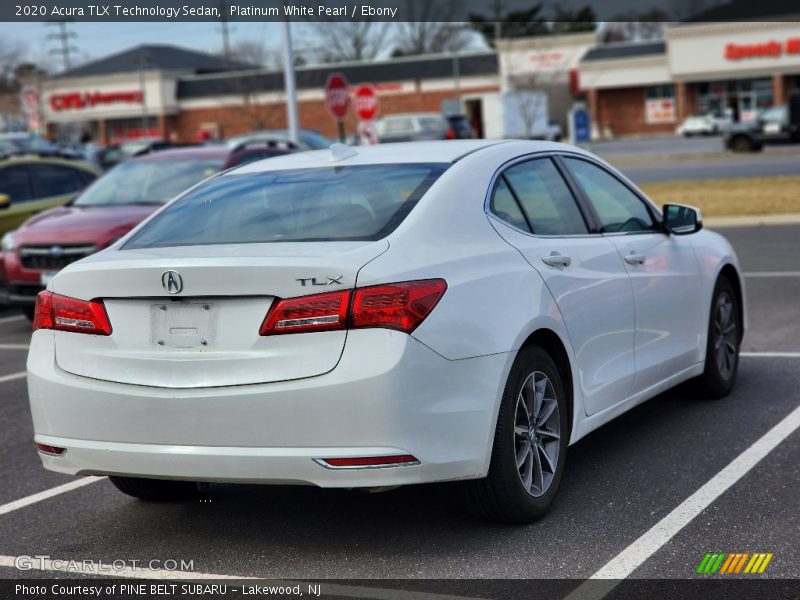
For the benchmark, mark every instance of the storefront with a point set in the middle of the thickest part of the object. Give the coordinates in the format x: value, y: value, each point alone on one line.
x: 725, y: 69
x: 181, y: 95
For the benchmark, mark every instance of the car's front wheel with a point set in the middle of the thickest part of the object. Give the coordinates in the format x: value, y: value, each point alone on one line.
x: 154, y: 490
x: 724, y: 339
x: 530, y: 443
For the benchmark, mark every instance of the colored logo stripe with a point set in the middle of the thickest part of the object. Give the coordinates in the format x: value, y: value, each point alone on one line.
x: 726, y: 563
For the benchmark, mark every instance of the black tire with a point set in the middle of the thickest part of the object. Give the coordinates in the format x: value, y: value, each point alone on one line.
x: 741, y: 143
x: 719, y: 375
x: 154, y: 490
x: 502, y: 496
x: 28, y: 310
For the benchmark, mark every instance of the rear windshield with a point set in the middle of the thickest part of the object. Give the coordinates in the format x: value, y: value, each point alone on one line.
x: 363, y: 202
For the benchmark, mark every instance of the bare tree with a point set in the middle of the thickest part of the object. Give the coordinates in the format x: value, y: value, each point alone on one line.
x: 636, y: 27
x: 359, y: 40
x: 11, y: 56
x: 427, y: 33
x: 255, y: 52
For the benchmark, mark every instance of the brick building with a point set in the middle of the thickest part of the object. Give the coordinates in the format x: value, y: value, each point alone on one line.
x: 174, y: 93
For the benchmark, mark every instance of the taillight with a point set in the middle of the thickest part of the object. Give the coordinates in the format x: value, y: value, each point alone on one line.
x: 69, y: 314
x: 401, y: 306
x: 320, y: 312
x: 451, y: 134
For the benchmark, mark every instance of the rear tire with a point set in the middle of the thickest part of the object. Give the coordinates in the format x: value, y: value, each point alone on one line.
x: 28, y: 310
x: 530, y: 444
x: 741, y: 143
x: 154, y: 490
x: 723, y: 342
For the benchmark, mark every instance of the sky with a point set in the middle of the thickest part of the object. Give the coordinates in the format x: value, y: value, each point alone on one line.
x: 96, y: 40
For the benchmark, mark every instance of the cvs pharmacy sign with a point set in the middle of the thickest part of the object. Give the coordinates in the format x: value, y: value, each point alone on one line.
x: 81, y: 100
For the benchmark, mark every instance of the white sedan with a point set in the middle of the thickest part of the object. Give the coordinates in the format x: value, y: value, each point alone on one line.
x: 391, y: 315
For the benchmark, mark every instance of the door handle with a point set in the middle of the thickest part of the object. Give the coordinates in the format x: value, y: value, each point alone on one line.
x: 635, y: 259
x: 557, y: 260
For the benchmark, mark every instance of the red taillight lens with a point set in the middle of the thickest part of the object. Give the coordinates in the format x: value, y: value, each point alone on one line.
x: 69, y: 314
x: 371, y: 461
x: 320, y: 312
x: 451, y: 134
x: 401, y: 306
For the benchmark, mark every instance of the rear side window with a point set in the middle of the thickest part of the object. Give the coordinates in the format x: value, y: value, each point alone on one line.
x: 505, y: 205
x: 545, y: 199
x: 362, y: 202
x: 55, y: 180
x: 15, y: 182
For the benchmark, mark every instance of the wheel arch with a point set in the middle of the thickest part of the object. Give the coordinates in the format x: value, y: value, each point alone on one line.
x: 551, y: 342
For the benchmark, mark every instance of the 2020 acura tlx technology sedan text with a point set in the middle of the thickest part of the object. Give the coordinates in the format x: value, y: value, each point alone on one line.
x: 398, y: 314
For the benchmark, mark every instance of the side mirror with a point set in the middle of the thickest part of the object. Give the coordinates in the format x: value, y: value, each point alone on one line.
x: 682, y: 220
x: 5, y: 201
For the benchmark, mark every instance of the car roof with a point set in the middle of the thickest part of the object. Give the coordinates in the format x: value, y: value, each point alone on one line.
x: 218, y: 151
x: 5, y: 160
x: 445, y: 151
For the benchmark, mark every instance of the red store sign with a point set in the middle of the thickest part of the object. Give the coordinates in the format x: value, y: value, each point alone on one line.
x: 78, y: 100
x: 770, y: 49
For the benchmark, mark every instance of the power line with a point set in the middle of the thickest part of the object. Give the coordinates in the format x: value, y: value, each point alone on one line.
x: 64, y: 36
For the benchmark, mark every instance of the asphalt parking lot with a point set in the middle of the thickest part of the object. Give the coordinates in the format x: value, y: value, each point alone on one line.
x: 621, y: 481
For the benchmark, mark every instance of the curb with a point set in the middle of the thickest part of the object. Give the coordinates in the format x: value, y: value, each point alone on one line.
x: 750, y: 220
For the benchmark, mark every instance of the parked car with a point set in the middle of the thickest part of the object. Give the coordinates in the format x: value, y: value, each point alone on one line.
x: 26, y: 143
x: 381, y: 316
x: 30, y: 184
x: 112, y: 154
x: 460, y: 129
x: 309, y: 139
x: 777, y: 125
x: 412, y: 127
x: 109, y: 208
x: 697, y: 125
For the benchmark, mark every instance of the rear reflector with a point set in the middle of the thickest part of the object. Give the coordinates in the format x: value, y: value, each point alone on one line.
x: 320, y: 312
x: 69, y: 314
x: 50, y: 450
x: 402, y: 306
x: 370, y: 461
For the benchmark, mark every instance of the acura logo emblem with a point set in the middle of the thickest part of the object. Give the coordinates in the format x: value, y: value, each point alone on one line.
x: 172, y: 282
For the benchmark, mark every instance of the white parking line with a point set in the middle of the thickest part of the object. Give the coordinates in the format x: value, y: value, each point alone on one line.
x: 13, y: 376
x: 770, y: 354
x: 34, y: 498
x: 14, y: 346
x: 9, y: 319
x: 772, y: 274
x: 632, y: 557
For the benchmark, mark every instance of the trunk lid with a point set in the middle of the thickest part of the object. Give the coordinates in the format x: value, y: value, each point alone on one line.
x: 206, y: 335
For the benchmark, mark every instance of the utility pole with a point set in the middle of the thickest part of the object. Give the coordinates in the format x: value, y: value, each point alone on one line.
x: 63, y: 35
x: 498, y: 25
x: 142, y: 62
x: 226, y: 42
x: 289, y: 83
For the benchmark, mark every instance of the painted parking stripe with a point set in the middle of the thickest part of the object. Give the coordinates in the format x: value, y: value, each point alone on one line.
x: 770, y: 354
x: 38, y: 497
x: 13, y: 376
x: 9, y: 319
x: 14, y: 346
x: 632, y: 557
x: 772, y: 274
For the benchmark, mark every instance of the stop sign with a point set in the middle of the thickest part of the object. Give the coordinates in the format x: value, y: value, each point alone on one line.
x: 366, y: 102
x: 336, y: 97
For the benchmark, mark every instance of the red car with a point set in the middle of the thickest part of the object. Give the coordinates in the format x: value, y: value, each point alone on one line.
x: 105, y: 211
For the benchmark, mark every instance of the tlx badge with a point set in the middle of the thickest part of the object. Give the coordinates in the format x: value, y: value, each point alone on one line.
x: 304, y: 281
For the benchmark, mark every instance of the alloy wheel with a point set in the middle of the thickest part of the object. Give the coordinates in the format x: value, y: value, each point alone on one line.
x: 725, y: 335
x: 537, y: 427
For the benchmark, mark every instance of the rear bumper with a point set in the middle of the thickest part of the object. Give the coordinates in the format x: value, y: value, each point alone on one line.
x: 389, y: 395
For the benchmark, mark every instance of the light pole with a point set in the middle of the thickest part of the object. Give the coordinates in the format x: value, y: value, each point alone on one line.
x: 142, y: 61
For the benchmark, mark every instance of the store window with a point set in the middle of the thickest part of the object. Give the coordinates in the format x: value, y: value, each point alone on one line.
x: 659, y: 104
x: 739, y: 100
